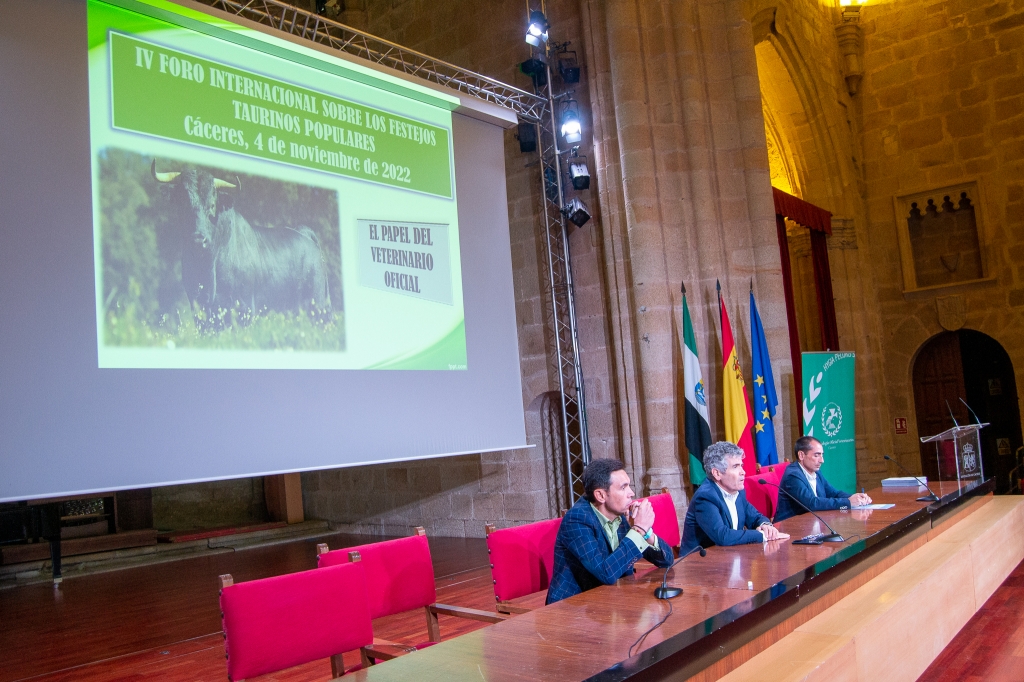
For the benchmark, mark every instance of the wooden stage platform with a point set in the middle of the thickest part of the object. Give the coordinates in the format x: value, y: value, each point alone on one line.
x: 813, y: 612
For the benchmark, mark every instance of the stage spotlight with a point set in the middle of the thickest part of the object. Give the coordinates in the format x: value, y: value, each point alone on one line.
x: 527, y: 136
x: 537, y: 32
x: 569, y: 67
x: 579, y: 173
x: 577, y: 212
x: 537, y: 69
x: 572, y: 131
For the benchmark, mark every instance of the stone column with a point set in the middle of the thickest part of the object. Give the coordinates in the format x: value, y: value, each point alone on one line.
x: 682, y: 166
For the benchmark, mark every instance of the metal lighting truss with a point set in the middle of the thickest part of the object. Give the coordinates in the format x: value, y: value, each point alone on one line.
x: 311, y: 26
x: 533, y: 108
x: 563, y: 300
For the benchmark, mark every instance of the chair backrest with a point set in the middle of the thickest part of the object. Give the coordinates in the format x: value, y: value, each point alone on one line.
x: 284, y: 621
x: 522, y: 558
x: 777, y: 469
x: 760, y: 495
x: 773, y: 495
x: 666, y: 521
x: 399, y: 573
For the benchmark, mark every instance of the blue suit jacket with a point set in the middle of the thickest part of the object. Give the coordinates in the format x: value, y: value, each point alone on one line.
x: 584, y: 558
x: 708, y: 521
x: 795, y: 482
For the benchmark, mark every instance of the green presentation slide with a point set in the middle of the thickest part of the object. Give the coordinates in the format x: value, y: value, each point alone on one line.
x: 258, y: 204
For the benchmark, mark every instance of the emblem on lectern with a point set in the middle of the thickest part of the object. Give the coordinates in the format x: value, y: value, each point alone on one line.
x: 969, y: 457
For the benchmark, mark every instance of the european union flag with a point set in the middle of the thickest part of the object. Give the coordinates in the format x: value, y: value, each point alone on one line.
x: 765, y: 400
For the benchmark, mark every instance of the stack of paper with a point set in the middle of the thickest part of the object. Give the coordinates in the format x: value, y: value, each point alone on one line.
x: 905, y: 481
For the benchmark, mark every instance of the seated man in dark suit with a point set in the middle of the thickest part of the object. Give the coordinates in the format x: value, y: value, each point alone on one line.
x: 719, y: 513
x: 604, y: 534
x: 804, y: 481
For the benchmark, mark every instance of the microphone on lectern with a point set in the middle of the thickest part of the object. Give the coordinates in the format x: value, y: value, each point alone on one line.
x: 831, y: 536
x: 664, y: 592
x: 973, y: 413
x: 956, y: 424
x: 930, y: 497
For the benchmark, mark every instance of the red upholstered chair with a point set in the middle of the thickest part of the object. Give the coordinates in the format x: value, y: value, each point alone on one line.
x: 522, y: 559
x: 666, y: 521
x: 777, y: 469
x: 400, y: 577
x: 288, y: 620
x: 760, y: 495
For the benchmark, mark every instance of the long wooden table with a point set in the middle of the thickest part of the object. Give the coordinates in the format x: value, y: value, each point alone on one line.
x: 731, y: 597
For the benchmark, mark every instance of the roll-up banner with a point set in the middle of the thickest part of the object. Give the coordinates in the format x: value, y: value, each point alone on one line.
x: 829, y: 414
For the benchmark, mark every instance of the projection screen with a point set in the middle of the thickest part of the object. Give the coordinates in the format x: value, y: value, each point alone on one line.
x: 226, y: 253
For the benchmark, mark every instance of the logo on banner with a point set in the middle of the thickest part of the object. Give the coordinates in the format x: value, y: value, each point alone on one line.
x: 831, y: 420
x: 970, y: 457
x: 698, y: 392
x: 809, y: 411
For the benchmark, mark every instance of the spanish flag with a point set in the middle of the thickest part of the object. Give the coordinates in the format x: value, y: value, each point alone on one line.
x: 738, y: 417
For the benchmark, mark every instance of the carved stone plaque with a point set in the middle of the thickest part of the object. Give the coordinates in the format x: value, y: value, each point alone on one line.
x: 952, y: 312
x: 939, y: 233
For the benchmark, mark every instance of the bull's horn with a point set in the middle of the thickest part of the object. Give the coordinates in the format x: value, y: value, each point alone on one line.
x: 163, y: 177
x: 222, y: 184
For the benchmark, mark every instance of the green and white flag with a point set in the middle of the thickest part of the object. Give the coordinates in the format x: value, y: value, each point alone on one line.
x: 698, y: 427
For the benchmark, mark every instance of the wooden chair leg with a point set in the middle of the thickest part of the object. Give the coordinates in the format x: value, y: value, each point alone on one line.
x: 364, y: 658
x: 337, y: 665
x: 433, y: 629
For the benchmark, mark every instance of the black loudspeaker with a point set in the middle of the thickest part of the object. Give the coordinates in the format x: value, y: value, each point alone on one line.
x: 536, y: 69
x: 527, y: 136
x: 569, y: 67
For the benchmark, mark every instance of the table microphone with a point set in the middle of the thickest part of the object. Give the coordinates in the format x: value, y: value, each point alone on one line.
x: 930, y: 497
x: 831, y: 536
x: 664, y: 592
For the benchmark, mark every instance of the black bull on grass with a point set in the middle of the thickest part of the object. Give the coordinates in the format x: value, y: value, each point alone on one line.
x: 233, y: 271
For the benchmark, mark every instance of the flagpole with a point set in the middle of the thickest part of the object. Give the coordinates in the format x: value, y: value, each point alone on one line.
x: 718, y: 288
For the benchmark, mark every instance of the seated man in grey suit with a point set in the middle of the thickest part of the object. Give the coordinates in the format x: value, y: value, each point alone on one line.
x: 719, y: 513
x: 803, y: 480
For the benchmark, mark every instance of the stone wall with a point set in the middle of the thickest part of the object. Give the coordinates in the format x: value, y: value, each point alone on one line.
x: 685, y: 196
x: 237, y: 502
x: 943, y: 103
x: 816, y: 125
x: 940, y: 102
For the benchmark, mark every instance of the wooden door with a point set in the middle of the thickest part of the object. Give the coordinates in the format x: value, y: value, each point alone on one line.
x: 991, y: 390
x: 938, y: 387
